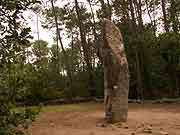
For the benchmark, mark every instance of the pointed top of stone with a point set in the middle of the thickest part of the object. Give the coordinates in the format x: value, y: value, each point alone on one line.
x: 112, y: 29
x: 115, y: 41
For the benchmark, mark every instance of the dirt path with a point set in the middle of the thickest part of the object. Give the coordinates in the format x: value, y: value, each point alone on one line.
x: 155, y: 119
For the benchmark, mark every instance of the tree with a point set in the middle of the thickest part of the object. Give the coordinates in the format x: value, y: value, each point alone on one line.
x: 14, y: 41
x: 67, y: 67
x: 85, y: 47
x: 166, y: 24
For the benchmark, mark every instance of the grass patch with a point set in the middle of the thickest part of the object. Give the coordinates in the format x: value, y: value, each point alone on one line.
x: 61, y: 108
x: 73, y: 107
x: 90, y: 106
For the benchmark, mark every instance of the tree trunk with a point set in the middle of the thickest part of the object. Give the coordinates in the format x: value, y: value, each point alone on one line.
x: 67, y: 64
x: 97, y: 46
x: 116, y: 74
x: 133, y: 19
x: 173, y: 16
x: 153, y: 24
x: 85, y: 50
x: 139, y: 60
x: 138, y: 7
x: 139, y: 77
x: 166, y: 25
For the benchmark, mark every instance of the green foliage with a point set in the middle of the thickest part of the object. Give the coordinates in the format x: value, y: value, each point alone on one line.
x: 13, y: 121
x: 170, y: 52
x: 14, y: 41
x: 169, y: 44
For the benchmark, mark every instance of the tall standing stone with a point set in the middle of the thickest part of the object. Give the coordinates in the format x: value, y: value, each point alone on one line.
x: 116, y: 74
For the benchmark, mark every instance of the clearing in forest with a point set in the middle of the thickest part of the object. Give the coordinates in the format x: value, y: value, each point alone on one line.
x: 87, y: 119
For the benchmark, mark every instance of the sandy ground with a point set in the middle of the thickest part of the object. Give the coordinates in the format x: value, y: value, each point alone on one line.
x: 155, y: 119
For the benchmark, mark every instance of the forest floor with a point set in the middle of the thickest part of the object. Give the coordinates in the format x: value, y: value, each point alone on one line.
x: 87, y: 119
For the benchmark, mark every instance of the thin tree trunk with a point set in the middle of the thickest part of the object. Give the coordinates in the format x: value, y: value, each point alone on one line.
x: 152, y: 22
x: 57, y: 55
x: 38, y: 37
x: 94, y: 22
x: 85, y: 49
x: 37, y: 24
x: 137, y: 57
x: 166, y: 24
x: 67, y: 64
x: 94, y: 33
x: 173, y: 16
x: 138, y: 6
x: 139, y: 77
x: 132, y: 15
